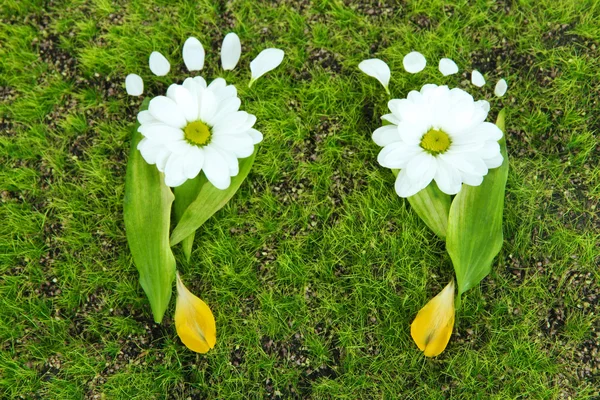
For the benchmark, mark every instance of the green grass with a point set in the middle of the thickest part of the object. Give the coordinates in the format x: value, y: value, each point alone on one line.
x: 315, y: 264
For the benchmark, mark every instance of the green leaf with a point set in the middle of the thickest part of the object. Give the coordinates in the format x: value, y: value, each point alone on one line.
x: 147, y: 212
x: 474, y: 235
x: 184, y: 196
x: 433, y: 206
x: 209, y: 201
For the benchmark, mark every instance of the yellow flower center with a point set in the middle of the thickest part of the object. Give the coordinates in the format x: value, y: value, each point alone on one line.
x: 435, y: 141
x: 197, y: 133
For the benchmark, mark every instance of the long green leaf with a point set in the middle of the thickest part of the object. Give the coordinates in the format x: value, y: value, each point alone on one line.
x: 184, y: 196
x: 433, y: 206
x: 474, y: 235
x: 147, y: 213
x: 209, y: 201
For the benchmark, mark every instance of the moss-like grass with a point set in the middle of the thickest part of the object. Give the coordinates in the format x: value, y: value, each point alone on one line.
x: 316, y: 268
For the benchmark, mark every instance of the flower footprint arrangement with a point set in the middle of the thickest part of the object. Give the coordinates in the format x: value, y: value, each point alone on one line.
x: 190, y: 153
x: 451, y: 165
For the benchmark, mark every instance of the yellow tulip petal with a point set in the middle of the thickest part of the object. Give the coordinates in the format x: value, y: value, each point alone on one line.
x: 194, y: 321
x: 432, y: 327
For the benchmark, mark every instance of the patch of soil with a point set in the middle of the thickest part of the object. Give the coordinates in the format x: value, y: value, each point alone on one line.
x: 560, y: 35
x: 326, y: 59
x: 376, y: 8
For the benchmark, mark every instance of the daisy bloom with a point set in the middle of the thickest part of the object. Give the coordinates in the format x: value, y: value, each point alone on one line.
x: 194, y: 321
x: 197, y: 127
x: 432, y: 327
x: 438, y: 134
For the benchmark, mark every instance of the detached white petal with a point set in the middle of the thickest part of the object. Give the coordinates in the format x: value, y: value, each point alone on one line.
x: 477, y: 79
x: 267, y: 60
x: 193, y: 54
x: 231, y: 50
x: 377, y: 69
x: 501, y: 87
x: 448, y: 67
x: 159, y: 65
x: 414, y: 62
x: 134, y: 85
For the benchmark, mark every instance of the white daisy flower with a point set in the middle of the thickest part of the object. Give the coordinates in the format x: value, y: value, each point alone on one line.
x: 438, y: 134
x: 196, y: 128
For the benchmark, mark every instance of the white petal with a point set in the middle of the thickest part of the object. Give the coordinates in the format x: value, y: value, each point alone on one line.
x: 149, y: 150
x: 134, y: 85
x: 217, y: 84
x: 200, y: 82
x: 226, y: 93
x: 391, y: 118
x: 227, y: 107
x: 385, y: 135
x: 234, y: 123
x: 501, y: 87
x: 494, y: 162
x: 208, y: 106
x: 216, y: 168
x: 159, y: 65
x: 160, y: 133
x: 397, y: 155
x: 256, y: 136
x: 448, y: 67
x: 144, y: 117
x: 174, y: 171
x: 414, y: 62
x: 266, y: 61
x: 165, y: 110
x: 447, y: 178
x: 179, y: 147
x: 231, y: 159
x: 477, y: 79
x: 186, y: 102
x: 193, y: 54
x: 193, y: 162
x: 405, y: 187
x: 231, y: 50
x: 162, y: 158
x: 377, y: 69
x: 419, y: 166
x: 240, y: 145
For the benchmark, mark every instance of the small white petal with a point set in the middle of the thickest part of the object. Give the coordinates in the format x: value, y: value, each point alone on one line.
x: 216, y: 168
x: 231, y: 159
x: 256, y: 136
x: 144, y: 117
x: 193, y: 162
x: 186, y: 102
x: 501, y: 87
x: 240, y: 145
x: 160, y: 133
x: 477, y: 79
x: 193, y: 54
x: 231, y: 50
x: 208, y: 106
x: 159, y: 65
x: 134, y: 85
x: 165, y: 110
x: 377, y: 69
x: 414, y: 62
x: 448, y: 67
x: 174, y: 175
x: 266, y: 61
x: 385, y: 135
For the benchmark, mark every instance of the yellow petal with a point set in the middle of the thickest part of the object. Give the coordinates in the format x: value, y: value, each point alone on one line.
x: 432, y: 327
x: 194, y: 321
